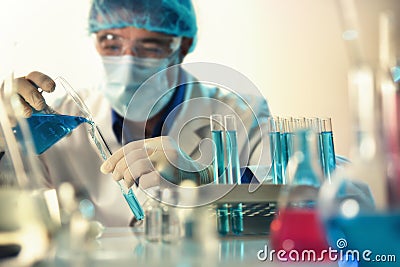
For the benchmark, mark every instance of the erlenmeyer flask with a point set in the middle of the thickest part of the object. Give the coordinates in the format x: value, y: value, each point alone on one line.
x: 297, y: 225
x: 49, y: 126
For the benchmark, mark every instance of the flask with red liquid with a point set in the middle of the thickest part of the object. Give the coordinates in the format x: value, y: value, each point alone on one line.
x: 297, y: 226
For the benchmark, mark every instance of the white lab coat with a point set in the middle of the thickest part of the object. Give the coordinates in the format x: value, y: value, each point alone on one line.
x: 75, y: 158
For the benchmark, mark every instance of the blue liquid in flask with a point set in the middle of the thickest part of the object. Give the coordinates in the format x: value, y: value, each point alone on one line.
x: 48, y: 129
x: 305, y: 174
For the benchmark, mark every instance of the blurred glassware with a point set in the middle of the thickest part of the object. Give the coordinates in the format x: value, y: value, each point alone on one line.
x: 29, y: 211
x: 366, y: 220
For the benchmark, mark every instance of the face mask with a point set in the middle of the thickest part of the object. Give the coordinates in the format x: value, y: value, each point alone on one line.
x: 124, y: 77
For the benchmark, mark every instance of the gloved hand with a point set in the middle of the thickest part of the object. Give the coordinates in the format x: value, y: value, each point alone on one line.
x: 153, y: 160
x: 29, y: 88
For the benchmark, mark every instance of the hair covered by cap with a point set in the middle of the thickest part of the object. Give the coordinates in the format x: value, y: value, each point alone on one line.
x: 173, y: 17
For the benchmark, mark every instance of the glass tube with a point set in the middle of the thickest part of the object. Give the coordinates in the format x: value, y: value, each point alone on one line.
x: 286, y: 144
x: 327, y: 148
x: 233, y: 170
x: 314, y: 123
x: 217, y: 134
x: 275, y: 149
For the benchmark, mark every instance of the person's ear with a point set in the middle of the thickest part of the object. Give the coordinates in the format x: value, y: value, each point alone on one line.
x: 186, y: 43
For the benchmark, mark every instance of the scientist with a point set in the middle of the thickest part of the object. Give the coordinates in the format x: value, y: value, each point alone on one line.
x: 154, y: 126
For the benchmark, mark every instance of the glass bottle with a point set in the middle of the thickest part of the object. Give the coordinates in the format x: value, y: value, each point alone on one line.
x: 153, y: 219
x: 171, y: 226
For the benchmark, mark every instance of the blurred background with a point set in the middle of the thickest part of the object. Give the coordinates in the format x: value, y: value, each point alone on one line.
x: 291, y: 50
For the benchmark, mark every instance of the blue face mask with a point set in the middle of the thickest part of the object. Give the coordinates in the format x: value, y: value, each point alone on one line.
x: 124, y: 75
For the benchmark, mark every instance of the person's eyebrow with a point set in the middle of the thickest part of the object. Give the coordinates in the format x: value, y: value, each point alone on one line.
x: 154, y: 40
x: 106, y: 36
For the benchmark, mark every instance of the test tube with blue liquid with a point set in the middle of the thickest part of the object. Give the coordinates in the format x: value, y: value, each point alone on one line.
x: 286, y: 144
x: 289, y: 133
x: 314, y: 123
x: 328, y: 149
x: 105, y: 153
x: 233, y: 170
x: 275, y: 149
x: 217, y: 134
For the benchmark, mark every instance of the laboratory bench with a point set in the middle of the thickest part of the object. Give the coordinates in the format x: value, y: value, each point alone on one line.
x: 127, y: 247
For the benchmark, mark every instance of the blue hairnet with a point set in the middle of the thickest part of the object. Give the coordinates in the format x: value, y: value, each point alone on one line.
x: 173, y: 17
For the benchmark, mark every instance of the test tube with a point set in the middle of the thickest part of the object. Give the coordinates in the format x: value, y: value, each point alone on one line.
x: 233, y: 170
x: 105, y: 153
x: 289, y: 137
x: 217, y: 131
x: 286, y: 144
x: 275, y: 149
x: 314, y: 123
x: 328, y: 150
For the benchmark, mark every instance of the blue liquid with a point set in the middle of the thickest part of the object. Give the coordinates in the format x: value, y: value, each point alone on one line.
x: 290, y: 144
x: 305, y: 174
x: 328, y: 154
x: 223, y: 219
x: 285, y: 155
x: 48, y: 129
x: 219, y: 161
x: 134, y: 205
x: 276, y: 155
x: 237, y: 218
x: 219, y: 178
x: 232, y: 157
x: 234, y: 177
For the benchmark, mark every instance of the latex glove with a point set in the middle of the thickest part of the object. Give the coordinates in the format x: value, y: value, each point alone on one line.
x: 153, y: 160
x: 29, y: 88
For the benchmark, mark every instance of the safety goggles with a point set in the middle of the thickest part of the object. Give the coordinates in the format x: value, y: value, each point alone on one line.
x: 152, y: 47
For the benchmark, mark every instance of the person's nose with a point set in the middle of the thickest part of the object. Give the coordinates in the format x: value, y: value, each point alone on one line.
x: 129, y: 51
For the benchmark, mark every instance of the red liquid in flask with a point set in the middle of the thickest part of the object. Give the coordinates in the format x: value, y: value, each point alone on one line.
x: 295, y: 230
